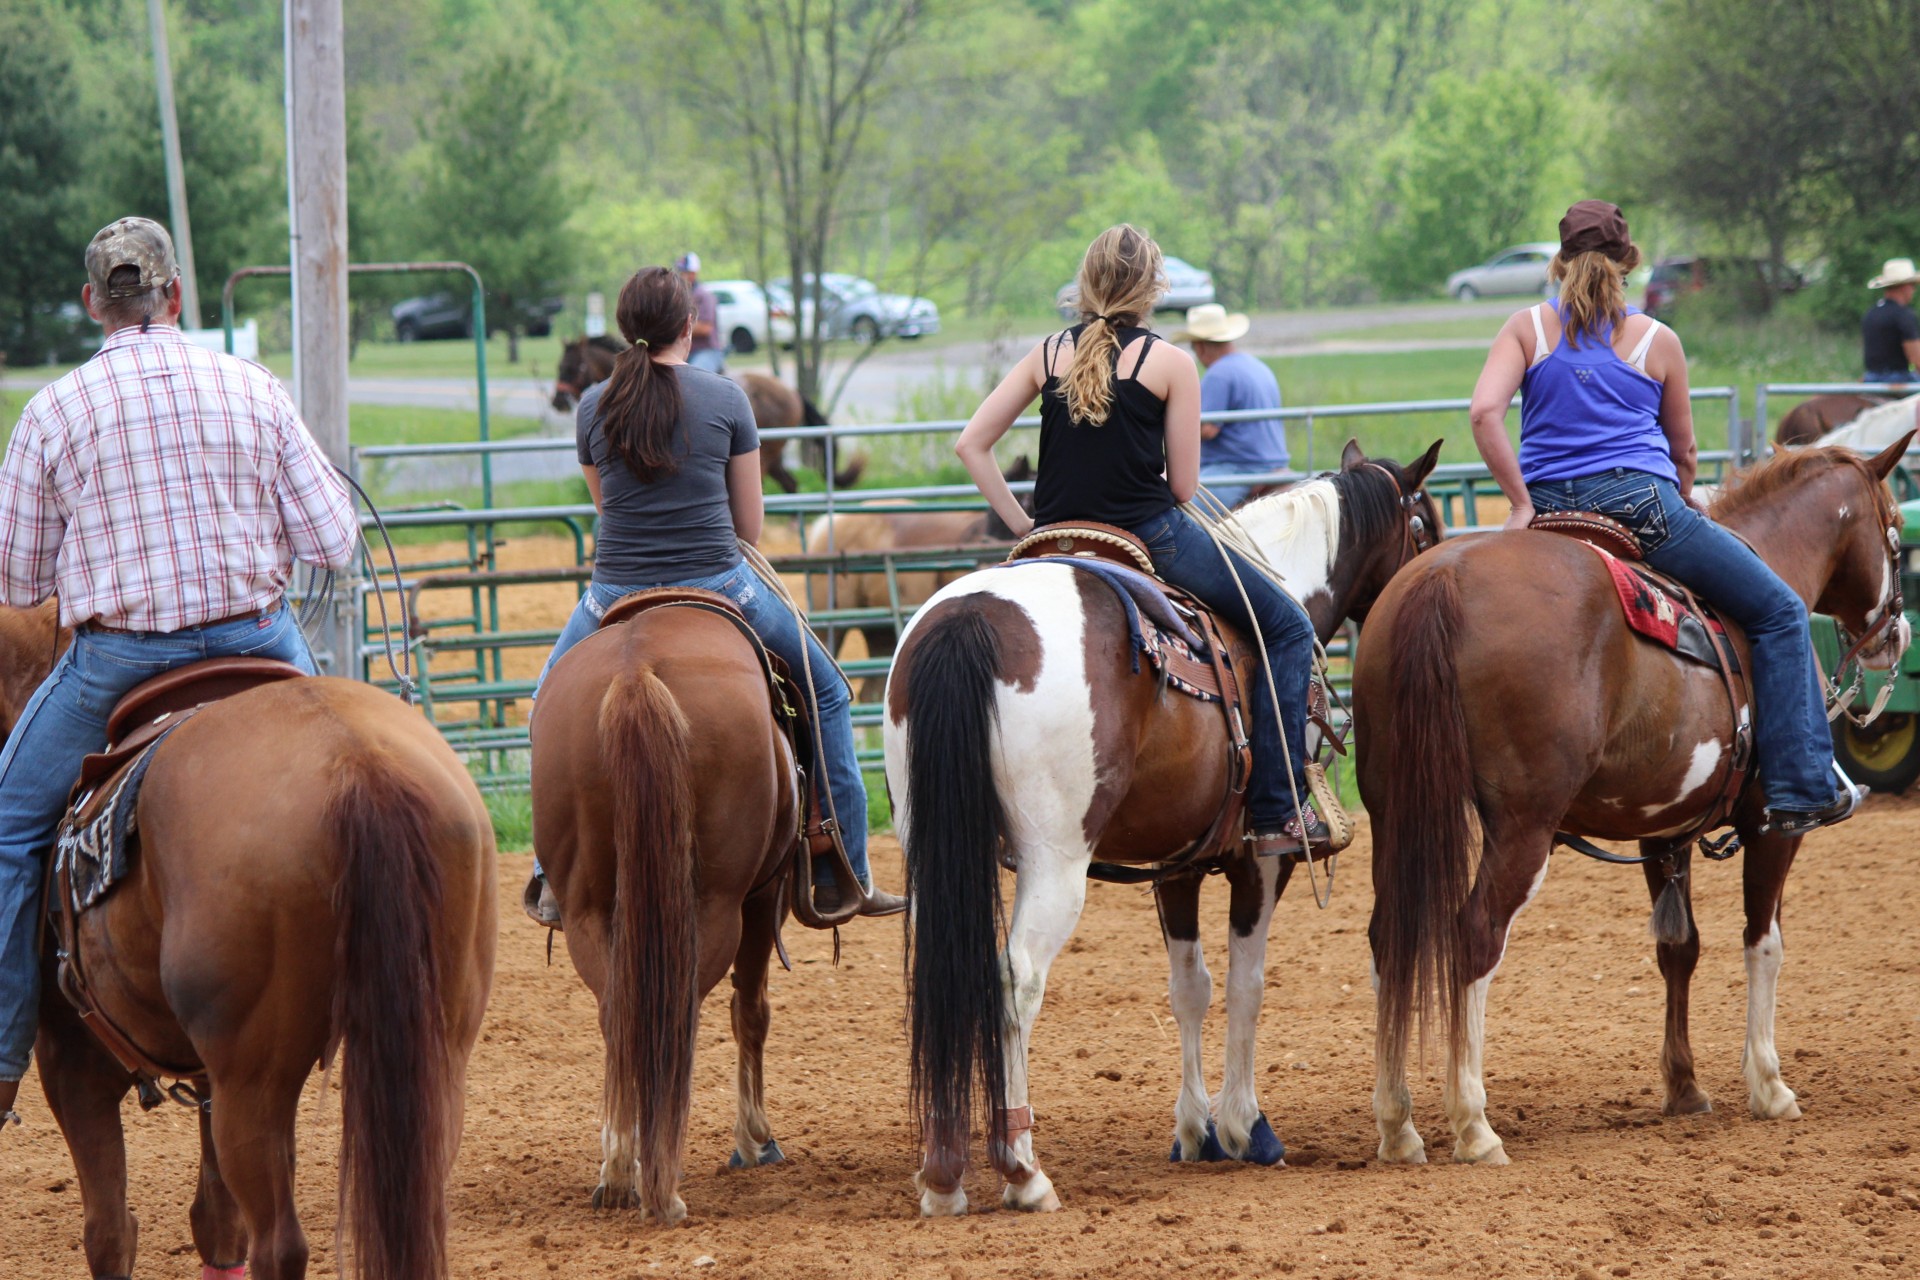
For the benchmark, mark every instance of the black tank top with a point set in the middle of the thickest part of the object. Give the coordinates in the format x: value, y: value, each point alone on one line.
x: 1112, y: 472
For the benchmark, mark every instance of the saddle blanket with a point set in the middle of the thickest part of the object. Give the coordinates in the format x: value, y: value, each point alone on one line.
x: 1655, y: 612
x: 1154, y: 624
x: 93, y: 844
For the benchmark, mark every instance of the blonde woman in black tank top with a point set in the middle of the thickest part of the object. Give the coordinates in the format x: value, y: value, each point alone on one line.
x: 1120, y: 444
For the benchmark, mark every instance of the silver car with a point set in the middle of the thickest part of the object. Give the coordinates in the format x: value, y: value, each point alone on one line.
x: 1187, y: 286
x: 1521, y: 269
x: 854, y: 308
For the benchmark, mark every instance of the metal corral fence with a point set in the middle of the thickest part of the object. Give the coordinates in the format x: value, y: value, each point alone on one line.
x: 461, y: 650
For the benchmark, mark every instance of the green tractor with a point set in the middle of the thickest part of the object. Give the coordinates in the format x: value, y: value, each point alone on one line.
x: 1884, y: 755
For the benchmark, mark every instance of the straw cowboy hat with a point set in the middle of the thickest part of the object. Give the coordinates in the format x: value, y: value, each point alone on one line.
x: 1895, y: 272
x: 1210, y: 322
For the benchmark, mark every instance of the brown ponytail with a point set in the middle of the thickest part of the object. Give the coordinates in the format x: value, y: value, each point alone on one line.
x: 641, y: 405
x: 1593, y: 290
x: 1121, y: 277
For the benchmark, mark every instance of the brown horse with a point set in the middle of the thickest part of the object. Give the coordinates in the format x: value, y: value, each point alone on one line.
x: 664, y: 811
x: 1019, y: 730
x: 1814, y: 417
x: 1497, y: 683
x: 776, y: 406
x: 348, y: 904
x: 876, y: 527
x: 31, y: 641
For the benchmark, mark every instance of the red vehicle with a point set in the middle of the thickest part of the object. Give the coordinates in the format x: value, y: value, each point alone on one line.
x: 1755, y: 281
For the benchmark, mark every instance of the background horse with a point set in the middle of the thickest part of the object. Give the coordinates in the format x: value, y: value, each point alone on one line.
x: 1497, y: 681
x: 31, y: 641
x: 1817, y: 415
x: 350, y: 903
x: 776, y: 406
x: 664, y: 813
x: 1018, y: 729
x: 871, y: 529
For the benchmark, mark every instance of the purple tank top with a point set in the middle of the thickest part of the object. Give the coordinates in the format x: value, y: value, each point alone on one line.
x: 1584, y: 410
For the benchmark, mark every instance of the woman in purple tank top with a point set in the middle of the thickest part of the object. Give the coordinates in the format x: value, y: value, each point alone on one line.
x: 1606, y: 426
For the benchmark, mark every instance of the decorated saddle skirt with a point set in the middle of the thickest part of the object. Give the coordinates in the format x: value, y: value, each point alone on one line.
x: 1657, y: 610
x: 92, y: 851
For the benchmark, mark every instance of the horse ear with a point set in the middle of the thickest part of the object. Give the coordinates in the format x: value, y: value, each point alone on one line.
x: 1883, y: 463
x: 1351, y: 456
x: 1420, y: 470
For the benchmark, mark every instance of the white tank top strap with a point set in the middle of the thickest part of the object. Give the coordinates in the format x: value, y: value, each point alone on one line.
x: 1540, y: 351
x: 1639, y: 357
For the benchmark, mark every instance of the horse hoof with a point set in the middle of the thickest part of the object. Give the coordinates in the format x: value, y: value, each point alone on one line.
x: 1210, y: 1148
x: 676, y: 1210
x: 1492, y: 1156
x: 1416, y: 1153
x: 605, y: 1197
x: 1691, y: 1103
x: 770, y: 1153
x: 1779, y: 1104
x: 940, y: 1204
x: 1264, y: 1146
x: 1036, y: 1195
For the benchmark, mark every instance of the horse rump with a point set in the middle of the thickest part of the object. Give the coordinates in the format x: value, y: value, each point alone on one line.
x: 1417, y: 782
x: 954, y: 828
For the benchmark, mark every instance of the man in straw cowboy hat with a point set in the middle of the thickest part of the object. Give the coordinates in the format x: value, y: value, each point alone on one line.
x: 1234, y: 380
x: 1890, y: 335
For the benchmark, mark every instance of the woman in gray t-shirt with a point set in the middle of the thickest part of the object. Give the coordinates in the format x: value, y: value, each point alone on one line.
x: 671, y: 455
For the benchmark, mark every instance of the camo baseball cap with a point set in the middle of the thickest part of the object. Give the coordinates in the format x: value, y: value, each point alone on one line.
x: 131, y: 242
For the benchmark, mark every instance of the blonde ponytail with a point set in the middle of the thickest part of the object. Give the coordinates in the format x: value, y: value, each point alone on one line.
x: 1121, y: 277
x: 1593, y: 291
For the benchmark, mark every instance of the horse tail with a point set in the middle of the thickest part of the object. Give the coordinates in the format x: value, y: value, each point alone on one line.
x: 955, y: 823
x: 1422, y: 831
x: 399, y: 1122
x: 652, y: 1006
x: 849, y: 475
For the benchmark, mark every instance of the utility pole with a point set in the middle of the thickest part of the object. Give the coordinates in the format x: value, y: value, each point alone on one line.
x: 176, y: 178
x: 317, y: 225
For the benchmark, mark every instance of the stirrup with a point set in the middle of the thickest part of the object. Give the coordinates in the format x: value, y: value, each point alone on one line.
x: 1791, y: 822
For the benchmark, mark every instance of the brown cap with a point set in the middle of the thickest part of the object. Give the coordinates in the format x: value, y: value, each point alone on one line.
x: 131, y: 242
x: 1595, y: 225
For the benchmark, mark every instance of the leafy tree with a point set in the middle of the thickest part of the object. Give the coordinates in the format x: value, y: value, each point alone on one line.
x: 1467, y: 177
x: 41, y: 135
x: 495, y: 195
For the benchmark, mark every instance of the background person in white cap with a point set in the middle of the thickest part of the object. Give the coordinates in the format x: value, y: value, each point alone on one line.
x: 708, y: 353
x: 162, y: 491
x: 1890, y: 335
x: 1233, y: 380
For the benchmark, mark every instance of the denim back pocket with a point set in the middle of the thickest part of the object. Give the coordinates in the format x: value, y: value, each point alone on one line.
x: 1638, y: 506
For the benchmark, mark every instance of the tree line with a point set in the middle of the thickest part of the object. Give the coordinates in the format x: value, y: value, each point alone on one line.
x: 1305, y: 151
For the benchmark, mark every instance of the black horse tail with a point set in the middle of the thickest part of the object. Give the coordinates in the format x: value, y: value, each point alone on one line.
x: 954, y: 826
x: 1423, y: 833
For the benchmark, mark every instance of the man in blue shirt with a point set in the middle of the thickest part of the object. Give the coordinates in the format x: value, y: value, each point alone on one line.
x: 1233, y: 380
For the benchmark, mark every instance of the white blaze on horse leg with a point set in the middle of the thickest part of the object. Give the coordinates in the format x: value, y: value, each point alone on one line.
x: 1701, y: 769
x: 1046, y: 906
x: 1475, y: 1142
x: 1189, y: 991
x: 619, y: 1169
x: 1239, y: 1108
x: 1392, y: 1101
x: 1767, y: 1094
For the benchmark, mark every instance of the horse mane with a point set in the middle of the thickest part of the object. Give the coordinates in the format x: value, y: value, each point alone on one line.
x: 1756, y: 485
x: 1313, y: 503
x: 1370, y: 510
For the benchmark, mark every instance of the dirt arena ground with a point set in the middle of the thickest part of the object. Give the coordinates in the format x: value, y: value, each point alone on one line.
x: 1600, y: 1186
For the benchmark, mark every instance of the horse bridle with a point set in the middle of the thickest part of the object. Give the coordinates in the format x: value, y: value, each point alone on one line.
x: 1419, y: 537
x: 1881, y: 633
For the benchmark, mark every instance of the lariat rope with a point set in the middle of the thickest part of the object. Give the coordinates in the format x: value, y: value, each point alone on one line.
x: 409, y: 690
x: 1228, y: 534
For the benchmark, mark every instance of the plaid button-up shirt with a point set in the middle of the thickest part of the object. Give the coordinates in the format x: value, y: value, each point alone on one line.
x: 161, y: 486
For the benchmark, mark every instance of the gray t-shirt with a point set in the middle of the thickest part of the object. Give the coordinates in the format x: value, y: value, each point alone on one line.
x: 679, y: 526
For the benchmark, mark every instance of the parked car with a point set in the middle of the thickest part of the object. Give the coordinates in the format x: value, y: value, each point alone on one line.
x: 1754, y: 280
x: 1521, y: 269
x: 854, y: 308
x: 450, y: 315
x: 746, y: 314
x: 1187, y: 286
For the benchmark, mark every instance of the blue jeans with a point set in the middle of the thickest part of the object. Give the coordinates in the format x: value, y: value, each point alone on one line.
x: 1901, y: 378
x: 1184, y: 555
x: 781, y: 632
x: 66, y: 720
x: 1793, y: 748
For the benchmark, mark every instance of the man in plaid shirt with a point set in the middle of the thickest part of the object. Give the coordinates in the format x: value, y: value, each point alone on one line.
x: 161, y: 491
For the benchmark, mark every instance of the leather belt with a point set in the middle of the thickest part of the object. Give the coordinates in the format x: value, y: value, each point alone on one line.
x: 246, y: 615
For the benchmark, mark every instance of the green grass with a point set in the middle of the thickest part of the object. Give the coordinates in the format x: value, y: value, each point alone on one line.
x: 371, y: 424
x: 1482, y: 328
x: 512, y: 814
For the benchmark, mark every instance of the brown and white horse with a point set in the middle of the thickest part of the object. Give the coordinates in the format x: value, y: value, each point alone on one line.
x: 664, y: 813
x: 1497, y: 684
x: 776, y: 406
x: 1017, y: 729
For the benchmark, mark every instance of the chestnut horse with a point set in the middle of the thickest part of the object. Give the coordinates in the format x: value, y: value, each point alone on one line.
x: 665, y: 810
x: 1814, y: 417
x: 1018, y: 730
x: 348, y: 902
x: 776, y: 406
x: 31, y: 641
x: 1497, y: 685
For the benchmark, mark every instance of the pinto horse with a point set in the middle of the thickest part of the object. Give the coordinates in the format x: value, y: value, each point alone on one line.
x: 665, y: 809
x: 1497, y: 684
x: 1817, y: 415
x: 776, y: 406
x: 1018, y: 731
x: 348, y: 904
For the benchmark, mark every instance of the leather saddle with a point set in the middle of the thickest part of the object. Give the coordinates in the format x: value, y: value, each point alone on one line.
x: 95, y: 845
x: 1593, y: 529
x: 818, y: 835
x: 1193, y: 651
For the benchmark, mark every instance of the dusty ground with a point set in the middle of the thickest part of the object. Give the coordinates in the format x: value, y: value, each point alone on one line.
x: 1600, y: 1184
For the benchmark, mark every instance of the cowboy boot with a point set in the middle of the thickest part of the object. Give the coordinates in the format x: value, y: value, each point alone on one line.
x: 9, y: 1091
x: 539, y: 902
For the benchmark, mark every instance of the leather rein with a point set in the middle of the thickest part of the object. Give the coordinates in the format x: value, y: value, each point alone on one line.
x: 1875, y: 639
